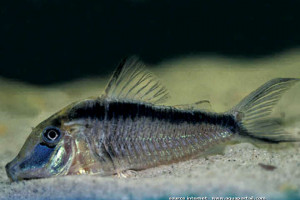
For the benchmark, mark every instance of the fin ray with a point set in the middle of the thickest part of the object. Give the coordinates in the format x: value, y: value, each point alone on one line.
x: 252, y: 113
x: 131, y: 81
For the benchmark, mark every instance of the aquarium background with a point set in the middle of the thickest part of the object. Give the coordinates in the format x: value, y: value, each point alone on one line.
x: 46, y: 42
x: 53, y: 53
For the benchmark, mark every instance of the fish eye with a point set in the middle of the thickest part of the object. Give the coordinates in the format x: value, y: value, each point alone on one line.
x: 51, y: 135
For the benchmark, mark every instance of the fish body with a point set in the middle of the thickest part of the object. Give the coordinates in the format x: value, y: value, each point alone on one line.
x: 128, y: 135
x: 126, y: 128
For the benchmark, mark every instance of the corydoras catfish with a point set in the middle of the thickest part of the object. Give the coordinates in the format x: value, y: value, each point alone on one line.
x: 127, y: 128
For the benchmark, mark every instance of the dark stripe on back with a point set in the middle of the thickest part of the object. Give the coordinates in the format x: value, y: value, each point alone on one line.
x: 87, y: 109
x: 98, y: 109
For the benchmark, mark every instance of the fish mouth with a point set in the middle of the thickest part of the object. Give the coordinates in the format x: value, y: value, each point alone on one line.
x: 14, y: 172
x: 11, y: 170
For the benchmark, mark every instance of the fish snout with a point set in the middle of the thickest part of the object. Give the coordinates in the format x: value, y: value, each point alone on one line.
x: 11, y: 170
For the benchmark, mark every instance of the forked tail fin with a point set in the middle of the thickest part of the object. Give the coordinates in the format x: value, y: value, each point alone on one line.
x: 253, y: 111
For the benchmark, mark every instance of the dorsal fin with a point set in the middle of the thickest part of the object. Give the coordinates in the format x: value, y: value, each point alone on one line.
x: 199, y: 105
x: 131, y: 81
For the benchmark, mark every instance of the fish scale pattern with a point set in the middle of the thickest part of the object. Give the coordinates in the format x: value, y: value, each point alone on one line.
x: 145, y: 142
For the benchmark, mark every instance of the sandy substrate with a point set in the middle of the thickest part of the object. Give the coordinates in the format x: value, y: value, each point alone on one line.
x: 244, y: 170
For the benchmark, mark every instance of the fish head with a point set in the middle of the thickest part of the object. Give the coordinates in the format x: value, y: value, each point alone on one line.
x: 47, y: 152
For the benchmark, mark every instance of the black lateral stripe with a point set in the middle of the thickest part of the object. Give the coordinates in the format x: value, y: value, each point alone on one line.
x: 170, y: 114
x: 87, y: 109
x: 98, y: 109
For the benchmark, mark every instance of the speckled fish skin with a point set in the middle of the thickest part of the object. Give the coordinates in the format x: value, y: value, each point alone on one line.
x: 127, y: 128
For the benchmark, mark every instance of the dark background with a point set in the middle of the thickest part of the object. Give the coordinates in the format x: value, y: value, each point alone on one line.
x: 52, y: 41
